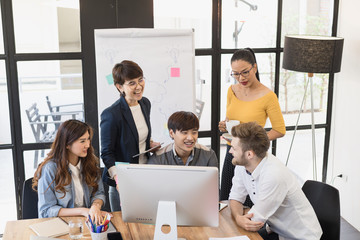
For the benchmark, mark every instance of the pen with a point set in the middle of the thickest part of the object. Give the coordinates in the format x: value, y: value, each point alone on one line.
x: 104, y: 220
x: 92, y: 225
x: 88, y: 225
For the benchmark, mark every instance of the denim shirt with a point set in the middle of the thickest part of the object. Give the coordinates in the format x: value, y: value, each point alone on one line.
x: 50, y: 201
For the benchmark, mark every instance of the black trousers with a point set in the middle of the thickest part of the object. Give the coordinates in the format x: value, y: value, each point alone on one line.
x: 226, y: 179
x: 266, y: 236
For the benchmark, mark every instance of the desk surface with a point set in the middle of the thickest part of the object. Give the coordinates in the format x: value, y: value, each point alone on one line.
x: 20, y: 230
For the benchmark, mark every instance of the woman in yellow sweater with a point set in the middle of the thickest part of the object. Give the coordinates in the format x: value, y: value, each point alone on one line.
x: 248, y: 100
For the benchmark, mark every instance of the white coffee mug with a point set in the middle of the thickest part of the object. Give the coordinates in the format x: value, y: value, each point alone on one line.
x: 230, y: 124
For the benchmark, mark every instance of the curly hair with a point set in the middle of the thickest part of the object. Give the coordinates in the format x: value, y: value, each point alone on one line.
x: 67, y: 134
x: 252, y: 137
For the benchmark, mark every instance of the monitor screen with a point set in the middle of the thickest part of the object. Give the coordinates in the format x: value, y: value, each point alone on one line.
x: 193, y: 189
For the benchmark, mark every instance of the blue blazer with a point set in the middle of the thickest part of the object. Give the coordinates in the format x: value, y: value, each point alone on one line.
x: 119, y: 136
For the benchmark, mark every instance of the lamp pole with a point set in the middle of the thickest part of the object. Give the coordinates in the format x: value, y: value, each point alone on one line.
x: 311, y: 54
x: 310, y: 76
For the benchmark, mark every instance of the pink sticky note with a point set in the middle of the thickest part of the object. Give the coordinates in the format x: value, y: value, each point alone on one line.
x: 175, y: 72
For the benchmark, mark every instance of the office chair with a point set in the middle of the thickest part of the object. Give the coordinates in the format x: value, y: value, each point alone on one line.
x: 199, y: 106
x: 29, y: 201
x: 326, y: 203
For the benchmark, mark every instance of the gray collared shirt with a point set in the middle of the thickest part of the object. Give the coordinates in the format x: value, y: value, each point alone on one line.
x: 201, y: 156
x: 179, y: 160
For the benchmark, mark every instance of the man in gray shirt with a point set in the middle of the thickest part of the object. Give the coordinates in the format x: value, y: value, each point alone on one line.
x: 183, y: 129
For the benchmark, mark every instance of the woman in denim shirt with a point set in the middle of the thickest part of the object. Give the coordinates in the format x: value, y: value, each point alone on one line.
x: 68, y: 181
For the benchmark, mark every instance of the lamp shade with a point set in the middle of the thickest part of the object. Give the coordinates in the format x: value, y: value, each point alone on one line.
x: 313, y: 54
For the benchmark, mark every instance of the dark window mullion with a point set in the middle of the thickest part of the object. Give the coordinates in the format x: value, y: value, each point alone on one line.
x: 14, y: 102
x: 277, y: 62
x: 48, y: 56
x: 330, y: 98
x: 216, y: 75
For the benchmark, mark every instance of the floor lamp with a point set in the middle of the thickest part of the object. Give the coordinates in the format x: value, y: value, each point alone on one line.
x: 311, y: 54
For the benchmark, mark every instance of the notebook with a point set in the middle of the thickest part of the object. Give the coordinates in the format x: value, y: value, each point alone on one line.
x: 51, y: 228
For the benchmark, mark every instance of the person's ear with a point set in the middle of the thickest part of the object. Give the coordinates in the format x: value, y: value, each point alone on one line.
x: 171, y: 133
x: 255, y: 67
x: 119, y: 87
x: 250, y: 154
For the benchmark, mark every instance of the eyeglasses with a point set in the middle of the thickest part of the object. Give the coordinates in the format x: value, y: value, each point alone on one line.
x: 133, y: 83
x: 246, y: 73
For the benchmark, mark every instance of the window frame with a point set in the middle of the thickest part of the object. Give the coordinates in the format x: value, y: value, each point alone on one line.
x: 117, y: 14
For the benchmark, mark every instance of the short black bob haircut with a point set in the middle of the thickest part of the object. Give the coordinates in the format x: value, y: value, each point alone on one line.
x: 183, y: 121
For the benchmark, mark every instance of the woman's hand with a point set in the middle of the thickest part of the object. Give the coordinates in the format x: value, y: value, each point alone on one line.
x: 96, y: 214
x: 222, y: 126
x: 154, y: 144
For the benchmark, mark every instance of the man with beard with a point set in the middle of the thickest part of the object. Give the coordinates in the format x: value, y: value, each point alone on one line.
x: 281, y: 209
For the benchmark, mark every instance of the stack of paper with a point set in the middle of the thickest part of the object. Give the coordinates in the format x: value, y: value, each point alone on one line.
x: 51, y: 228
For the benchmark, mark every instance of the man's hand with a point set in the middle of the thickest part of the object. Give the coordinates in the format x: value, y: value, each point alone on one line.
x: 245, y: 222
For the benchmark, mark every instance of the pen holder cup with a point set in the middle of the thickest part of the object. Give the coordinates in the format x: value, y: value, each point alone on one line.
x: 99, y: 236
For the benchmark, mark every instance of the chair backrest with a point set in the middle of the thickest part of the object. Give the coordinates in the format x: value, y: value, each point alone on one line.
x: 75, y: 108
x: 29, y: 201
x: 34, y: 117
x: 53, y: 110
x: 326, y: 203
x: 199, y: 106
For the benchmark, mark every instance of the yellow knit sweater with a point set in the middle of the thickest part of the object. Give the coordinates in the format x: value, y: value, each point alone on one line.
x: 257, y: 110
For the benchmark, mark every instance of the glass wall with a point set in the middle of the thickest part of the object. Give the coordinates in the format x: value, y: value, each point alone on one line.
x: 249, y: 24
x: 173, y: 14
x: 203, y: 89
x: 7, y: 190
x: 255, y: 24
x: 46, y: 87
x: 46, y: 71
x: 46, y: 26
x: 5, y: 136
x: 53, y: 90
x: 1, y: 35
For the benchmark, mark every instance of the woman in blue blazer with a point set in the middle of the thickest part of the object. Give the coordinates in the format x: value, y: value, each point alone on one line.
x: 125, y: 125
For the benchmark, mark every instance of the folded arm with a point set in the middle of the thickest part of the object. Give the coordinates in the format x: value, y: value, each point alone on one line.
x: 244, y: 221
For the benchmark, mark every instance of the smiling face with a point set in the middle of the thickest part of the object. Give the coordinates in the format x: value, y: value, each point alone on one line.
x: 184, y: 140
x: 133, y: 89
x: 244, y: 72
x: 79, y: 148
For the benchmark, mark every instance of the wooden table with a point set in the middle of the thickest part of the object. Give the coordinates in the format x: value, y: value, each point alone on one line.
x: 20, y: 230
x: 227, y: 228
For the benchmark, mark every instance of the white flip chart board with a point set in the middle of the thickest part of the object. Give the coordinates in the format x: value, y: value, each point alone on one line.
x: 167, y: 58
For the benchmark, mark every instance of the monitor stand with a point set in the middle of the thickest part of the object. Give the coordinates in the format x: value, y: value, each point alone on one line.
x: 166, y: 216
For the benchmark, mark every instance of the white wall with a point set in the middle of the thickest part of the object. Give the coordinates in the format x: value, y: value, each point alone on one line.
x: 344, y: 155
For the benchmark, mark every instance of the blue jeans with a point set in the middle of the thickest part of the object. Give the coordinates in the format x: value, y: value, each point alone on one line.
x: 114, y: 199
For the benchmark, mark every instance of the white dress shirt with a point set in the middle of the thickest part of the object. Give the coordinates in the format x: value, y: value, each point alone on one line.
x: 79, y: 191
x: 278, y: 199
x: 142, y: 129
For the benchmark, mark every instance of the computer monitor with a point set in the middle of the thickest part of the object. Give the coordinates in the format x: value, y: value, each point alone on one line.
x: 194, y: 190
